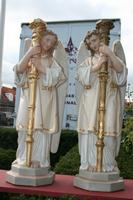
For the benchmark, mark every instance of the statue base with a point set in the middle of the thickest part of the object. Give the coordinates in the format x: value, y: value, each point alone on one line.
x: 99, y: 181
x: 20, y: 175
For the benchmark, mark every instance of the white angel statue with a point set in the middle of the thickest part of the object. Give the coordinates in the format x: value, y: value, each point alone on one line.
x: 50, y: 97
x: 91, y: 55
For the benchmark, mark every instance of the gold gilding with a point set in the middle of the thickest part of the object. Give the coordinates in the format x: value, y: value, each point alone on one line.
x: 38, y: 27
x: 103, y: 27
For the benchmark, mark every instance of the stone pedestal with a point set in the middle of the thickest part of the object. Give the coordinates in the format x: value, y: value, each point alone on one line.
x: 99, y: 181
x: 20, y: 175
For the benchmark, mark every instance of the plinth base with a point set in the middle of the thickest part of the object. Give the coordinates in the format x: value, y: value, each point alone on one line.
x: 99, y: 181
x: 30, y: 176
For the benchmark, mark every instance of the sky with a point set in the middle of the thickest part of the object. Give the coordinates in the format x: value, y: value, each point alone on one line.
x: 20, y: 11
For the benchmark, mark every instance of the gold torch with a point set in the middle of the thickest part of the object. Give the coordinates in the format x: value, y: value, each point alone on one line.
x: 38, y: 27
x: 103, y: 27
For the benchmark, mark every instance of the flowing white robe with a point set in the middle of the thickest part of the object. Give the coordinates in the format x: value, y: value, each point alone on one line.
x: 46, y: 113
x: 88, y: 114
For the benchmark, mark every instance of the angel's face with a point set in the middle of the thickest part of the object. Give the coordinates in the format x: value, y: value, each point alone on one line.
x: 94, y: 43
x: 48, y: 42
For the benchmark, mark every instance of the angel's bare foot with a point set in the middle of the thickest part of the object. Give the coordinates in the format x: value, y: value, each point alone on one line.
x: 35, y: 164
x: 92, y: 169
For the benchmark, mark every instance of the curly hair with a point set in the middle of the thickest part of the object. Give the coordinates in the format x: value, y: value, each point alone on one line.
x: 87, y: 37
x: 49, y: 32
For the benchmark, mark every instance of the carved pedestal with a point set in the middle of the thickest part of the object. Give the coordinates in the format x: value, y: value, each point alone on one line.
x: 30, y: 176
x: 99, y: 181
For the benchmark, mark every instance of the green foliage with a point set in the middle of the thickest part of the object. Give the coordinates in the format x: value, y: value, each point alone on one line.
x: 127, y: 135
x: 67, y: 141
x: 125, y: 163
x: 129, y: 111
x: 125, y: 158
x: 26, y: 197
x: 6, y: 158
x: 127, y: 132
x: 5, y: 196
x: 69, y: 164
x: 8, y: 138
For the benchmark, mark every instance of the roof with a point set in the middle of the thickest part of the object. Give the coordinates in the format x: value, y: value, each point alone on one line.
x: 70, y: 21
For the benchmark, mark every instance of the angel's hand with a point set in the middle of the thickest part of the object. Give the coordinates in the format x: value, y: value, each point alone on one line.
x: 109, y: 63
x: 104, y: 49
x: 97, y: 66
x: 33, y: 51
x: 36, y: 62
x: 103, y: 59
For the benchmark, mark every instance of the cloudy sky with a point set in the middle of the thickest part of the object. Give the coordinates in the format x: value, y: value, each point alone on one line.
x: 19, y: 11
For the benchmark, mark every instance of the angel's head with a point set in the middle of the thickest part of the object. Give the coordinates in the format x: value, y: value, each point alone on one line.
x: 92, y: 41
x: 48, y: 42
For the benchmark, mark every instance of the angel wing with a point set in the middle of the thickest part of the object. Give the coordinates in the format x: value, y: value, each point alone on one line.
x: 27, y: 44
x: 18, y: 77
x: 82, y: 55
x: 61, y: 58
x: 119, y: 52
x: 25, y: 47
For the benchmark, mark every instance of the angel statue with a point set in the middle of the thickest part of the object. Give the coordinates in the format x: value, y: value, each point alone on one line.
x: 49, y: 60
x: 92, y: 55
